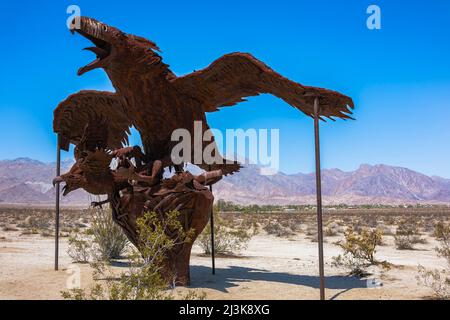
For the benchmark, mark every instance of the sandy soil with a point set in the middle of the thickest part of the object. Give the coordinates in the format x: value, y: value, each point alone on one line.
x: 271, y: 268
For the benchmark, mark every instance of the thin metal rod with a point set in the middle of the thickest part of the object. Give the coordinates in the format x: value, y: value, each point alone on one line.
x: 319, y: 198
x: 213, y: 251
x: 58, y: 172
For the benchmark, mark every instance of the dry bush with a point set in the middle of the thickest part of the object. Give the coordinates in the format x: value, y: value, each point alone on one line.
x: 370, y: 221
x: 407, y: 235
x: 442, y: 234
x: 386, y: 230
x: 104, y: 240
x: 293, y: 224
x: 80, y: 248
x: 332, y: 229
x: 250, y: 222
x: 39, y: 222
x: 276, y: 229
x: 230, y: 237
x: 107, y: 235
x: 311, y: 232
x: 359, y: 250
x: 438, y: 280
x: 390, y: 221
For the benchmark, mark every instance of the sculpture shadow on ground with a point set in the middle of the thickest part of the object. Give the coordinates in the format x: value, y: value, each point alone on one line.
x: 226, y: 278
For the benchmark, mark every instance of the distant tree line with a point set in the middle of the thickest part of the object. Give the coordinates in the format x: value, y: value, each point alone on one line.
x: 229, y: 206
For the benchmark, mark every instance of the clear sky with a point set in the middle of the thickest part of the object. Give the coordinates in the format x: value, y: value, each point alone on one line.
x: 399, y: 76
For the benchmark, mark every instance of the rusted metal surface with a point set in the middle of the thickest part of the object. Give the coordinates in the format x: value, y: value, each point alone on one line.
x: 153, y: 99
x: 156, y: 102
x: 134, y: 189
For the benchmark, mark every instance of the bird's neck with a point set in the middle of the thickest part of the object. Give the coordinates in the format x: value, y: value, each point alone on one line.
x: 133, y: 85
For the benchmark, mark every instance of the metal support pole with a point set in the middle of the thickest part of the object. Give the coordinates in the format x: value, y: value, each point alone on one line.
x: 319, y: 198
x: 58, y: 172
x: 213, y: 261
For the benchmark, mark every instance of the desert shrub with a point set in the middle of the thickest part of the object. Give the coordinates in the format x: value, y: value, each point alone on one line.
x: 229, y: 237
x: 387, y: 231
x: 252, y: 224
x: 442, y: 234
x: 109, y: 238
x: 277, y: 229
x: 406, y: 236
x: 47, y: 233
x: 143, y: 280
x: 331, y: 229
x: 80, y: 248
x: 291, y: 224
x: 359, y: 250
x: 438, y: 280
x: 39, y: 221
x: 311, y: 232
x: 370, y: 222
x: 403, y: 242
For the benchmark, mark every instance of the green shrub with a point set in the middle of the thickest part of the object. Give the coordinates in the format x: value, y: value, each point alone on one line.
x: 109, y: 238
x: 80, y: 248
x: 143, y: 280
x: 359, y: 250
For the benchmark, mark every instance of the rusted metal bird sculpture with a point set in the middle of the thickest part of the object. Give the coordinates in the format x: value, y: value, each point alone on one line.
x: 156, y: 102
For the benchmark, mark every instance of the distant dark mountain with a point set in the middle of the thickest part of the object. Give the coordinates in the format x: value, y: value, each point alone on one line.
x: 25, y: 180
x: 366, y: 185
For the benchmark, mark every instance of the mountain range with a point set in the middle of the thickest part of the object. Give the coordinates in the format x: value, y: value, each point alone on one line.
x: 25, y: 180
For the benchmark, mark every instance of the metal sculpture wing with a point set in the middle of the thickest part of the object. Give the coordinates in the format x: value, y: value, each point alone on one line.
x: 72, y: 116
x: 235, y: 76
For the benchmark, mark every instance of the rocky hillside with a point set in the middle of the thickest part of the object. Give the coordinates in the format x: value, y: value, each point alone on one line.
x: 25, y: 180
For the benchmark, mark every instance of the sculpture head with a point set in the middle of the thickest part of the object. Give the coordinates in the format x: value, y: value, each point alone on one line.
x: 117, y: 52
x: 73, y: 180
x: 91, y: 172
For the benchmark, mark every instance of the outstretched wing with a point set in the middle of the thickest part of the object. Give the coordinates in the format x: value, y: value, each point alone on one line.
x: 72, y: 116
x: 235, y: 76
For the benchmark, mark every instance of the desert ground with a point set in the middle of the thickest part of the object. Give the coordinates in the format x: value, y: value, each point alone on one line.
x: 278, y: 263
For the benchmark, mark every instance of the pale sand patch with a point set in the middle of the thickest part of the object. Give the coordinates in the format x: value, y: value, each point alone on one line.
x: 271, y: 268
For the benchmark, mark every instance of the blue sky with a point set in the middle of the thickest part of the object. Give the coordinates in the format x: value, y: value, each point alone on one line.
x: 399, y: 76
